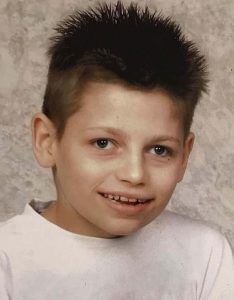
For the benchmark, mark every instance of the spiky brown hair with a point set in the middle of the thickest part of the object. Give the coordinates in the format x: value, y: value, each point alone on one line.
x: 129, y: 44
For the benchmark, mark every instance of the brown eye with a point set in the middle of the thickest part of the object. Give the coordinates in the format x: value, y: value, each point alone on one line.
x: 160, y: 150
x: 103, y: 143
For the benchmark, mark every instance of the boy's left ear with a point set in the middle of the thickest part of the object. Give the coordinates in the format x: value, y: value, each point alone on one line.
x: 188, y: 146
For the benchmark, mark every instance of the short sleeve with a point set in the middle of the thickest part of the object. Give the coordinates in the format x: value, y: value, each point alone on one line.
x: 5, y: 278
x: 219, y: 281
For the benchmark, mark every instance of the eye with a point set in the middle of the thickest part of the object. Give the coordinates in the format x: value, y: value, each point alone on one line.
x: 160, y: 150
x: 103, y: 143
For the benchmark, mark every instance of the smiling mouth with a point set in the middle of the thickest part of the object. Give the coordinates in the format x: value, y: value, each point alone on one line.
x: 125, y: 200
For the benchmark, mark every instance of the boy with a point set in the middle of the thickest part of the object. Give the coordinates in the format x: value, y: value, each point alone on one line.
x: 122, y: 87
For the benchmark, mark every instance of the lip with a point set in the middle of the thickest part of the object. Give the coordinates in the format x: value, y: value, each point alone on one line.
x: 126, y: 210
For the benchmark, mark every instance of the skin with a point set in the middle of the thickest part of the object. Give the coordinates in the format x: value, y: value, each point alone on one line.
x: 143, y: 152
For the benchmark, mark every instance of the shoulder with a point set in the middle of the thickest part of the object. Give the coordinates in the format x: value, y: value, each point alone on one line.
x: 14, y: 223
x: 186, y: 235
x: 185, y: 227
x: 29, y: 222
x: 206, y: 251
x: 18, y: 228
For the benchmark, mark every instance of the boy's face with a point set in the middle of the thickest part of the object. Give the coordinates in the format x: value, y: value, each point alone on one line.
x: 122, y: 142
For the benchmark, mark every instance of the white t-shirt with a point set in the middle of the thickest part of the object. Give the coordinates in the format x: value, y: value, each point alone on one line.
x: 172, y: 258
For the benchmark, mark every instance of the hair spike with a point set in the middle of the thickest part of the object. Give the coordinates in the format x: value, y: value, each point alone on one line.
x: 141, y: 48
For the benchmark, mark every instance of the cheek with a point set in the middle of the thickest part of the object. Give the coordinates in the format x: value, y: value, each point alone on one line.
x: 79, y: 172
x: 165, y: 179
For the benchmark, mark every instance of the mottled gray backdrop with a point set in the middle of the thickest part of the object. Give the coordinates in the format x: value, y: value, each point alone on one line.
x: 207, y: 192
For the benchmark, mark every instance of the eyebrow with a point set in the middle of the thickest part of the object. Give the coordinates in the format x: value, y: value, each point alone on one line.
x: 111, y: 130
x: 118, y: 132
x: 165, y: 138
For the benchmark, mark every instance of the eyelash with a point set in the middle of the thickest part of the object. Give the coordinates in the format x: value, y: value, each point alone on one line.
x: 166, y: 151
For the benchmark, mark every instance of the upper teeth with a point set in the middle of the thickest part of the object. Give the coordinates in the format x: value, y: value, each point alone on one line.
x: 122, y: 198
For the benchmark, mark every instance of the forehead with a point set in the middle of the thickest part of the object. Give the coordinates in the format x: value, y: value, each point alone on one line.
x: 119, y: 95
x: 115, y: 105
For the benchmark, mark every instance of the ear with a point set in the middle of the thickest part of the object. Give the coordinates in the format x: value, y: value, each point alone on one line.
x: 188, y: 146
x: 43, y: 140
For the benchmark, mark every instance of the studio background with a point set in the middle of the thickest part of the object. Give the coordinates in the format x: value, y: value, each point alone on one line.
x: 207, y: 192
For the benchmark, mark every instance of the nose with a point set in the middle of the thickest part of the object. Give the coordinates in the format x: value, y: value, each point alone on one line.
x: 132, y: 169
